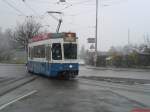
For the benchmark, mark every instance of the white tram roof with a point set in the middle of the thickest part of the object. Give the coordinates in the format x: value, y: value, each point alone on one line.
x: 48, y: 36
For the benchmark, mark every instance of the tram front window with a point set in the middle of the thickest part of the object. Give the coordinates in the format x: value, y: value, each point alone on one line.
x: 70, y: 51
x: 56, y: 51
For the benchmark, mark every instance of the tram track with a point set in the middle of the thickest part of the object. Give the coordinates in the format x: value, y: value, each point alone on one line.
x: 9, y: 80
x: 4, y: 80
x: 120, y: 86
x: 13, y: 84
x: 24, y: 93
x: 114, y: 89
x: 15, y: 99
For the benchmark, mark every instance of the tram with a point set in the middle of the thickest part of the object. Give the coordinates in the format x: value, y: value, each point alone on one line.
x: 54, y: 55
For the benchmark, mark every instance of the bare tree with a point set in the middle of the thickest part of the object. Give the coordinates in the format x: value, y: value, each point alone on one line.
x: 25, y: 31
x: 5, y: 45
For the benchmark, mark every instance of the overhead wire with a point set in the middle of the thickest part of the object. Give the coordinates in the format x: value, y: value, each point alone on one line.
x: 109, y: 3
x: 13, y: 7
x: 38, y: 15
x: 113, y: 2
x: 27, y: 5
x: 43, y: 2
x: 103, y: 5
x: 72, y: 5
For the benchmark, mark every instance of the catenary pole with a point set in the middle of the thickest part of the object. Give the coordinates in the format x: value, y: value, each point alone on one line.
x: 96, y: 32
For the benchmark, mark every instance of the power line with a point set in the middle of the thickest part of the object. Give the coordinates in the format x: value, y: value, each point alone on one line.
x: 108, y: 3
x: 71, y: 5
x: 36, y: 14
x: 13, y: 7
x: 30, y: 7
x: 43, y: 2
x: 113, y: 2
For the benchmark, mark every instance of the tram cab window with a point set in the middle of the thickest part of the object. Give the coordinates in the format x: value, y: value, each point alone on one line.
x: 56, y: 51
x: 70, y: 51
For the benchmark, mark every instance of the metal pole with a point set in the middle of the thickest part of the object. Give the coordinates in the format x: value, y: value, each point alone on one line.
x: 128, y: 36
x: 96, y: 32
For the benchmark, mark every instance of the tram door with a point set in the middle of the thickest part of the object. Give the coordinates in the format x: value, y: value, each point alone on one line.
x: 48, y: 60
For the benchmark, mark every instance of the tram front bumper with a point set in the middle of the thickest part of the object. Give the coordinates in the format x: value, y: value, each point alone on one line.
x: 65, y: 68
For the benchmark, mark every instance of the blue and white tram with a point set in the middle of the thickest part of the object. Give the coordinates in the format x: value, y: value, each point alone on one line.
x: 54, y: 55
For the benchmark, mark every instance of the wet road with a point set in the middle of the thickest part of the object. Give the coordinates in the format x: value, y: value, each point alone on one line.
x: 12, y: 70
x: 131, y: 73
x: 79, y: 95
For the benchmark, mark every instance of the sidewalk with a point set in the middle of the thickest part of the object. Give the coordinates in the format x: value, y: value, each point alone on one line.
x: 120, y: 69
x: 118, y: 75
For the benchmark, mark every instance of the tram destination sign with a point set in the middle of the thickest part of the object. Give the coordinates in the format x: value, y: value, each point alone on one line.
x: 91, y: 40
x: 70, y: 37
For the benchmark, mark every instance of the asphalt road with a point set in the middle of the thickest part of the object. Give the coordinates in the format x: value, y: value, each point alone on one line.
x: 116, y: 72
x: 78, y: 95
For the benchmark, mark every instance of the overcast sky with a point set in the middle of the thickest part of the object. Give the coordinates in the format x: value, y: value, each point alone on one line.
x: 115, y: 18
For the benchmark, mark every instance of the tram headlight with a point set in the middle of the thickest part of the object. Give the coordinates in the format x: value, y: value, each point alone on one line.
x: 70, y: 66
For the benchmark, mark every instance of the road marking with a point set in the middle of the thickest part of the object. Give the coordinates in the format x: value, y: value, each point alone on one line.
x: 17, y: 99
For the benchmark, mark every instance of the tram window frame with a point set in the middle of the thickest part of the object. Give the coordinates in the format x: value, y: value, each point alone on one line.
x: 29, y: 52
x: 32, y: 52
x: 48, y: 52
x: 60, y: 51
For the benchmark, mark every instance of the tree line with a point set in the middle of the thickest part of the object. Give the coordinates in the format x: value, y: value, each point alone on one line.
x: 126, y: 56
x: 17, y: 39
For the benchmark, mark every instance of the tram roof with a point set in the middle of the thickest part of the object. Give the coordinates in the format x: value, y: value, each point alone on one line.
x: 46, y: 36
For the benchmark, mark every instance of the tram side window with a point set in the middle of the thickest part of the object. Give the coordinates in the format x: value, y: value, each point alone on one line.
x: 39, y: 51
x: 56, y: 51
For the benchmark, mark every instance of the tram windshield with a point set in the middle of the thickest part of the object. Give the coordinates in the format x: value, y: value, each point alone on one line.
x: 56, y: 51
x: 70, y: 51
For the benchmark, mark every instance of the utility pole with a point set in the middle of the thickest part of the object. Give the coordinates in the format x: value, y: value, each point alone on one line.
x: 128, y: 36
x: 96, y: 32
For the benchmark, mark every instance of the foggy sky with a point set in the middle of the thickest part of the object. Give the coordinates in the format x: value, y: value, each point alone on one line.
x: 115, y: 18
